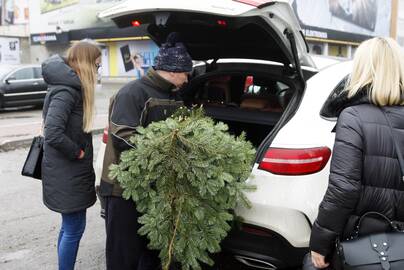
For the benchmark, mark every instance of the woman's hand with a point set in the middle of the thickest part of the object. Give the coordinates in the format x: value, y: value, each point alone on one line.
x: 82, y: 153
x: 318, y: 260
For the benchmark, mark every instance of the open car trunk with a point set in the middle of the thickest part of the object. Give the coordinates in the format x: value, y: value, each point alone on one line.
x: 266, y: 31
x: 248, y: 97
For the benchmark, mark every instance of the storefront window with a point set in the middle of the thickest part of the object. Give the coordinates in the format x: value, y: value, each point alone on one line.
x: 316, y: 48
x: 338, y: 50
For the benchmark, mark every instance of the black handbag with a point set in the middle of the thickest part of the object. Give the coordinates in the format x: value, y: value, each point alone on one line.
x: 375, y: 251
x: 33, y: 162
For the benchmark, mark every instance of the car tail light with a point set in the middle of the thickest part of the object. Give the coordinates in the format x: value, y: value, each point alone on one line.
x: 249, y: 80
x: 285, y: 161
x: 136, y: 23
x: 105, y: 135
x: 255, y: 3
x: 222, y: 23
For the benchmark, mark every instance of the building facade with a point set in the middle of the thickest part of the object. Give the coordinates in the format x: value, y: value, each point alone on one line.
x: 54, y: 25
x: 336, y: 27
x: 14, y: 32
x: 400, y: 23
x: 332, y: 28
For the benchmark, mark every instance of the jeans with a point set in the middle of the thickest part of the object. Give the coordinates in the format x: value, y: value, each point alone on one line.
x: 72, y: 229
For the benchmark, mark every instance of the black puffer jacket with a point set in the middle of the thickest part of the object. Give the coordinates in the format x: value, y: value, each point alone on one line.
x: 68, y: 183
x: 365, y: 173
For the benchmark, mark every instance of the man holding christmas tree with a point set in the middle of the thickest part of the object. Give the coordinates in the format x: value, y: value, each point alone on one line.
x: 138, y: 103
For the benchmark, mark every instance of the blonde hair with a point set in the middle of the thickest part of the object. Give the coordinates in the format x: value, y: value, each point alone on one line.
x: 378, y: 67
x: 81, y: 57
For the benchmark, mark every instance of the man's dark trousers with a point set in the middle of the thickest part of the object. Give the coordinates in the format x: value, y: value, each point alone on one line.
x: 125, y: 248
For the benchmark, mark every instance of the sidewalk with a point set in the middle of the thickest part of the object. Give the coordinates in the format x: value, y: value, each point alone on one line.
x: 17, y: 128
x: 113, y: 80
x: 18, y: 137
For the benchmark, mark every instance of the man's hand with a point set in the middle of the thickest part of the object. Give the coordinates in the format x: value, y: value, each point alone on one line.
x: 318, y: 260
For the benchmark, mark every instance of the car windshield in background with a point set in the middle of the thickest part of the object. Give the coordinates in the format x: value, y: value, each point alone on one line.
x: 5, y: 69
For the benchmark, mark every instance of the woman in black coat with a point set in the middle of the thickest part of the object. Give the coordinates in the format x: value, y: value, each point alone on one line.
x: 67, y: 165
x: 365, y: 173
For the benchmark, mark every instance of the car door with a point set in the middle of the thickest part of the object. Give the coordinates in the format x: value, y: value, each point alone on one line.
x: 23, y: 87
x: 42, y: 86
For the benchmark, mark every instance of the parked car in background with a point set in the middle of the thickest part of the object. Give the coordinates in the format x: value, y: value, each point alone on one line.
x: 253, y: 75
x: 21, y: 85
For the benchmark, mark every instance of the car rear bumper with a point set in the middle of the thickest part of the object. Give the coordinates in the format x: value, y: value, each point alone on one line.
x: 262, y: 249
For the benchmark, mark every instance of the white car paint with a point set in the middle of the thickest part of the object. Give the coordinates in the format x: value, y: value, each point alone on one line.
x: 282, y: 203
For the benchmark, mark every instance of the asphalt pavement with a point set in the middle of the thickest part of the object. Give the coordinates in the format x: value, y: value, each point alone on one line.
x: 29, y: 231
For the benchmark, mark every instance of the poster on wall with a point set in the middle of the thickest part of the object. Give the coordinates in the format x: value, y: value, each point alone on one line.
x: 136, y: 57
x: 21, y: 12
x: 9, y: 11
x: 363, y: 18
x: 9, y: 51
x: 126, y: 58
x: 65, y: 15
x: 14, y: 12
x: 49, y: 5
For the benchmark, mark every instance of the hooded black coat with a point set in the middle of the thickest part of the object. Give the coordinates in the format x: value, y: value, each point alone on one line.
x: 365, y: 173
x: 68, y: 182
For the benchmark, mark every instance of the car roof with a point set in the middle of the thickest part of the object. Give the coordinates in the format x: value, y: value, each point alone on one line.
x: 7, y: 69
x: 322, y: 62
x: 12, y: 67
x: 251, y: 61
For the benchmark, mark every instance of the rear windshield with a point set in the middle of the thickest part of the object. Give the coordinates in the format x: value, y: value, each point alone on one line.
x: 330, y: 109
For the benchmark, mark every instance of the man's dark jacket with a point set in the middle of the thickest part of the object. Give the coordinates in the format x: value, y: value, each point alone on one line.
x: 68, y: 183
x: 138, y: 103
x: 365, y: 174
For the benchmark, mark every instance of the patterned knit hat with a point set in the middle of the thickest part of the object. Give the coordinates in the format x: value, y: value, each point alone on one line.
x: 173, y: 56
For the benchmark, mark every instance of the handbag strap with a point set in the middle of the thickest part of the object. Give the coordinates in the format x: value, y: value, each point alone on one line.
x: 380, y: 215
x: 397, y: 148
x: 393, y: 225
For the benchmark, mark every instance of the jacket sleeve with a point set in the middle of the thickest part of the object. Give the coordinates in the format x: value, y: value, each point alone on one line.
x: 60, y: 107
x: 125, y: 118
x: 344, y: 185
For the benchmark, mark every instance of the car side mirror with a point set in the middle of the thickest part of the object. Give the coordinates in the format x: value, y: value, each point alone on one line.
x: 10, y: 79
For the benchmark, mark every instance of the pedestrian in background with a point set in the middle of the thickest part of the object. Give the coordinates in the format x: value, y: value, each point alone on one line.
x: 365, y: 174
x: 138, y: 103
x: 67, y: 167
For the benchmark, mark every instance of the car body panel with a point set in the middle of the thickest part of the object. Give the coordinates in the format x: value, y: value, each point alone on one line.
x: 297, y: 196
x: 21, y: 92
x: 284, y: 205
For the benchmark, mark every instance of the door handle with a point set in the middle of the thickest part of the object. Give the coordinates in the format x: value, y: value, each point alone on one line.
x: 36, y: 83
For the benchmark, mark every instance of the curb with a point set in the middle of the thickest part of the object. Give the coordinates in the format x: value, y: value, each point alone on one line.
x: 12, y: 145
x: 116, y: 80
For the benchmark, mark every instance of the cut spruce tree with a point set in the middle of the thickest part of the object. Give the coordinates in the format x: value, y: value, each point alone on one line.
x: 186, y: 174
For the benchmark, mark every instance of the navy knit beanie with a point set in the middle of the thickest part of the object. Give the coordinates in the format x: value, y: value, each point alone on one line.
x: 173, y: 56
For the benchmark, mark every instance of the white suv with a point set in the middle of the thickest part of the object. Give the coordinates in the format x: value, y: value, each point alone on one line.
x: 253, y: 75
